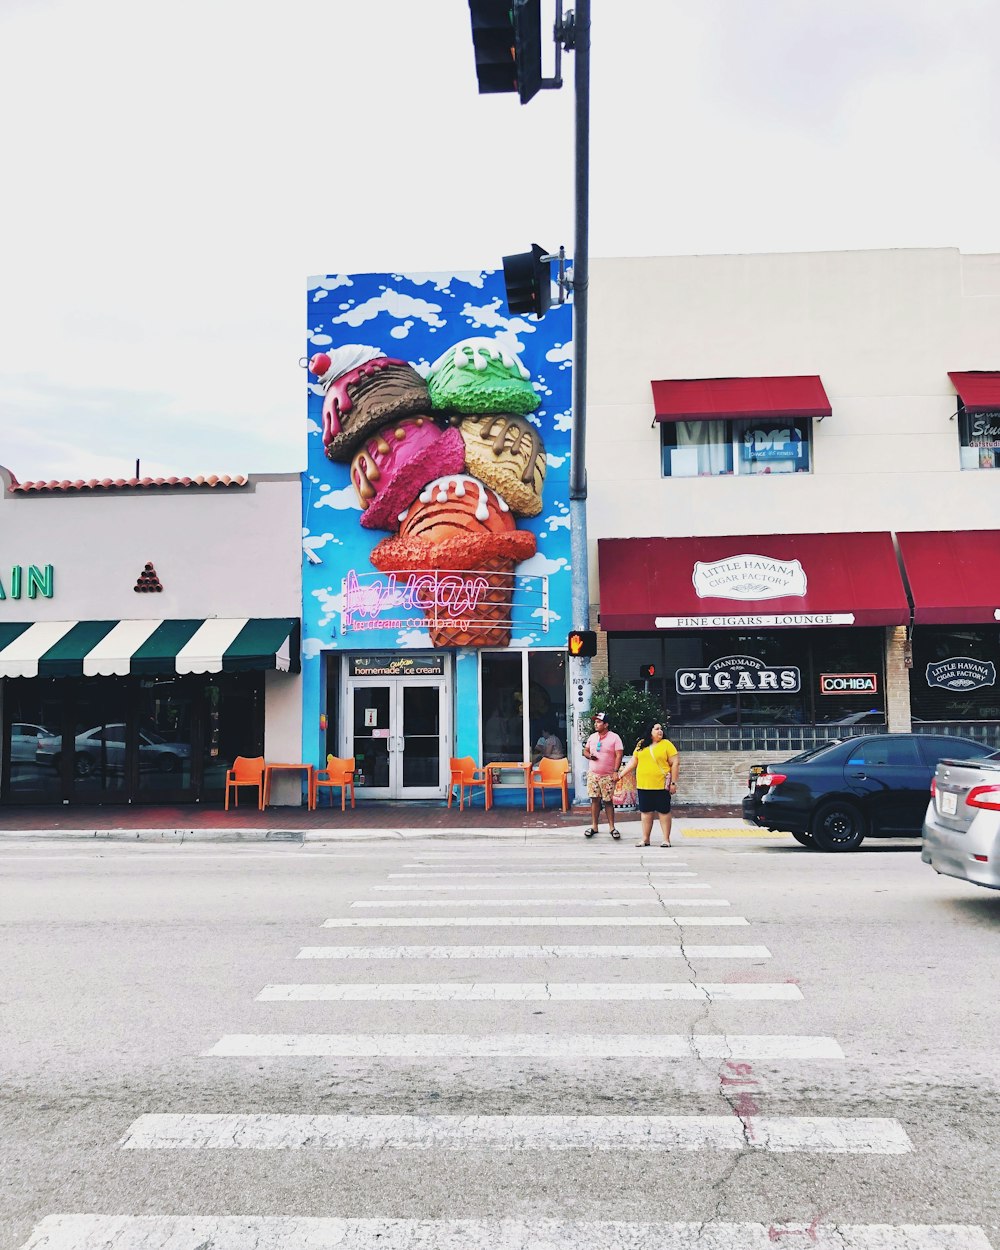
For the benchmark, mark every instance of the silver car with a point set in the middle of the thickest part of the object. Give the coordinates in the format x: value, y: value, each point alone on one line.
x: 962, y: 825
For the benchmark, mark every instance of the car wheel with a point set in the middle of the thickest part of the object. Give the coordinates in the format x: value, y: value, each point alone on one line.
x: 838, y: 826
x: 805, y: 838
x: 83, y: 765
x: 169, y: 763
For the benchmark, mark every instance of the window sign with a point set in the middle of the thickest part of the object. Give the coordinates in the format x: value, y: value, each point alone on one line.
x: 719, y: 448
x: 737, y: 674
x: 979, y: 438
x: 961, y: 672
x: 848, y: 683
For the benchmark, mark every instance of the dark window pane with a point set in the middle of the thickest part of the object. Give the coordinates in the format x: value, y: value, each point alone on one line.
x: 503, y: 707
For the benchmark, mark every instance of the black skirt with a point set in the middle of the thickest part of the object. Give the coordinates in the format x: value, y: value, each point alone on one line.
x: 654, y: 800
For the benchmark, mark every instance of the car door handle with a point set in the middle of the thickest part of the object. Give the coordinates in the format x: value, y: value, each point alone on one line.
x: 860, y: 776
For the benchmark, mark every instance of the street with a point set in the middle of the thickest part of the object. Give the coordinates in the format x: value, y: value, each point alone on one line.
x: 469, y: 1043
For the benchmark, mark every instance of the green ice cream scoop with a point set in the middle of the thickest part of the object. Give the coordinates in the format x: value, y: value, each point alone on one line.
x: 479, y: 375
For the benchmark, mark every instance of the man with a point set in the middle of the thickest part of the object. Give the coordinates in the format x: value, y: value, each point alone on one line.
x: 604, y: 749
x: 548, y: 746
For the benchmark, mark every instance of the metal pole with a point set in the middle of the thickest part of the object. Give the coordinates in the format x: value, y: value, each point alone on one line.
x: 580, y: 678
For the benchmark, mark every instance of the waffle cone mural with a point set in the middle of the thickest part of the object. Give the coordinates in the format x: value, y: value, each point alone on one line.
x: 435, y: 505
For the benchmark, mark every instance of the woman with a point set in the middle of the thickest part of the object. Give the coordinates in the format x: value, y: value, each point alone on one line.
x: 656, y: 764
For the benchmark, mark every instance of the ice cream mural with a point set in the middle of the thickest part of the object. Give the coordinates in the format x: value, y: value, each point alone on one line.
x: 435, y: 505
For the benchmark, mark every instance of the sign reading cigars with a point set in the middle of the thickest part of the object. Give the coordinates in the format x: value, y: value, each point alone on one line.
x: 736, y: 674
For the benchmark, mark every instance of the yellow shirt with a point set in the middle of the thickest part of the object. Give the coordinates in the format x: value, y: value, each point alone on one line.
x: 653, y: 769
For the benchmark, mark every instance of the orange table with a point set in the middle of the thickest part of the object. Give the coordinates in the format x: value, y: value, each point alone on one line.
x: 309, y: 771
x: 499, y: 766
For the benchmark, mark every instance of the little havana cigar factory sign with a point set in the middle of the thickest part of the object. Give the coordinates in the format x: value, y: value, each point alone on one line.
x: 961, y: 672
x: 738, y: 674
x: 749, y: 578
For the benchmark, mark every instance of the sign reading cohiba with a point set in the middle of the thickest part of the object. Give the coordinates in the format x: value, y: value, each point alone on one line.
x: 738, y: 674
x: 961, y: 672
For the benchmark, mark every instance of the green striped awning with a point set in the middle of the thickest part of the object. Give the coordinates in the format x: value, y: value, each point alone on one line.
x: 148, y: 648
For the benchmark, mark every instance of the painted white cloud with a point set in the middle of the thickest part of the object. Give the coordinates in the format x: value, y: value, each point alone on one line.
x: 316, y: 542
x: 320, y: 340
x: 314, y: 427
x: 539, y: 566
x: 525, y: 640
x: 442, y: 281
x: 339, y: 499
x: 546, y: 615
x: 558, y: 522
x: 330, y: 604
x: 563, y: 420
x: 329, y: 282
x: 311, y: 648
x: 413, y: 638
x: 561, y: 354
x: 397, y: 305
x: 490, y: 315
x: 555, y: 462
x: 400, y: 332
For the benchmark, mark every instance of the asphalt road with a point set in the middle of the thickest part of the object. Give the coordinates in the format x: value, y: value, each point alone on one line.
x: 840, y: 1090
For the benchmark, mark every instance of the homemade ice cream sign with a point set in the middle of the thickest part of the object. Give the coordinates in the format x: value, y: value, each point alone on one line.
x: 446, y: 470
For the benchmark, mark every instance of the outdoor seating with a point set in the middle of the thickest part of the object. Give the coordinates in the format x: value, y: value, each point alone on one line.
x: 246, y: 771
x: 338, y: 775
x: 551, y: 775
x: 467, y: 775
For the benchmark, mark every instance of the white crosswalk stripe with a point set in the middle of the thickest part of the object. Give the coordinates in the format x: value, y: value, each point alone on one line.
x: 528, y: 922
x: 533, y: 952
x: 776, y: 1134
x: 604, y: 876
x: 525, y: 1046
x: 277, y: 1232
x: 546, y: 885
x: 652, y: 901
x: 511, y: 992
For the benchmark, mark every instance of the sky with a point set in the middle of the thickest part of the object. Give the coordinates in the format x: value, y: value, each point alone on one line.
x: 172, y: 176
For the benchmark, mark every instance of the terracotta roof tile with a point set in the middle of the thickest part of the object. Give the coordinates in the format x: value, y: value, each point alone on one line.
x: 128, y: 483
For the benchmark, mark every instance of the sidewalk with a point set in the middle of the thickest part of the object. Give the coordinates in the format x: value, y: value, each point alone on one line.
x: 368, y: 820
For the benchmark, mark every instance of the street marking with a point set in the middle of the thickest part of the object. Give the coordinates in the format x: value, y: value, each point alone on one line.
x: 594, y: 875
x: 290, y: 1232
x: 545, y: 885
x: 532, y: 992
x: 524, y: 1046
x: 774, y: 1134
x: 533, y: 952
x: 651, y: 901
x: 527, y: 922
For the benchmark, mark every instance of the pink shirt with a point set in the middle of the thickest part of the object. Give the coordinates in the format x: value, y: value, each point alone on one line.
x: 604, y: 751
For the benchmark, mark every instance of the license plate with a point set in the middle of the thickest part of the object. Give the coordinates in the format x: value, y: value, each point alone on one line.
x: 949, y: 803
x: 756, y: 770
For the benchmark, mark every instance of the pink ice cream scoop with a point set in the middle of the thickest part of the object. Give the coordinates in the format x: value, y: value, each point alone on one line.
x: 395, y: 463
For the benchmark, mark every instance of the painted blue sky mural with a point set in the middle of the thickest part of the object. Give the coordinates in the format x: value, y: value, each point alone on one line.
x: 354, y: 321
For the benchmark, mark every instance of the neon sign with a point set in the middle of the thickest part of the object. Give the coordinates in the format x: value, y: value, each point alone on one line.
x: 450, y: 595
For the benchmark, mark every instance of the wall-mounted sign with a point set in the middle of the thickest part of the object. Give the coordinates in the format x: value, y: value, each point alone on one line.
x: 784, y: 621
x: 395, y: 665
x: 738, y: 674
x: 33, y: 581
x: 749, y: 577
x: 848, y: 683
x: 961, y: 672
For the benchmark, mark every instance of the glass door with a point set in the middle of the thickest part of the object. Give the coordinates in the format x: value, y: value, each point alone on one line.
x: 395, y: 734
x: 94, y: 759
x: 167, y: 717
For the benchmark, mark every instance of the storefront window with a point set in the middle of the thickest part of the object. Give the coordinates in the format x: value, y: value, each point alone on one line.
x: 34, y: 721
x: 954, y: 674
x: 166, y: 722
x: 979, y: 438
x: 523, y: 703
x: 714, y: 448
x: 782, y: 677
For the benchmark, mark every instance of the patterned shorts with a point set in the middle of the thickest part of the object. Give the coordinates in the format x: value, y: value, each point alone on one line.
x: 601, y: 786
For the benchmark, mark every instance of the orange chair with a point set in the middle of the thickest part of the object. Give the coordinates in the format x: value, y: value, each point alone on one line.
x: 246, y: 772
x: 466, y: 774
x: 551, y: 774
x: 338, y: 774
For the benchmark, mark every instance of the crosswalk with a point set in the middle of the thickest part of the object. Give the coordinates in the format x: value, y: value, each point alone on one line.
x: 466, y: 978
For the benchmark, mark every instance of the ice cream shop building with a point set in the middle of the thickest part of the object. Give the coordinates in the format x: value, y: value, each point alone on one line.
x: 436, y: 578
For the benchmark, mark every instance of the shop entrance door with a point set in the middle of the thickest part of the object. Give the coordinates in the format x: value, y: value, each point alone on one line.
x: 398, y: 735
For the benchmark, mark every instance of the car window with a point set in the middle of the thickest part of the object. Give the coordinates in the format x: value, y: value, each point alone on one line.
x: 882, y: 751
x: 934, y: 749
x: 114, y: 733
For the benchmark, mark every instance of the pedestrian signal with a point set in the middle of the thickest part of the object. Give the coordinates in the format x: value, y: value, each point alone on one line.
x: 582, y: 642
x: 647, y: 672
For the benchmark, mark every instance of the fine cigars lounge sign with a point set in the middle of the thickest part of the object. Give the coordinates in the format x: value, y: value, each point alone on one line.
x: 738, y: 674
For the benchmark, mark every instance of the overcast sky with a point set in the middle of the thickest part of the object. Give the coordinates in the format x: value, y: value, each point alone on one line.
x: 172, y: 175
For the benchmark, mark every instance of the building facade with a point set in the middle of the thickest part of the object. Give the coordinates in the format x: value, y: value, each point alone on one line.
x: 435, y: 514
x: 149, y: 634
x: 793, y: 509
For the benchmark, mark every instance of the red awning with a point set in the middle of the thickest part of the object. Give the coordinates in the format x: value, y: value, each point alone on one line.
x: 979, y: 392
x: 716, y: 399
x: 954, y: 576
x: 777, y: 581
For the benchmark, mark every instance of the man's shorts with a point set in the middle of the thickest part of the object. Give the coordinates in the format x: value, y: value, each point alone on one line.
x: 601, y: 786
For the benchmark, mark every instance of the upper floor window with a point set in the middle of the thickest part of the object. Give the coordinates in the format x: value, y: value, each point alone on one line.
x: 979, y: 439
x: 717, y: 447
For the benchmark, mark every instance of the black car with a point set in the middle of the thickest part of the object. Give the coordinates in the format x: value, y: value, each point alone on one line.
x: 833, y: 796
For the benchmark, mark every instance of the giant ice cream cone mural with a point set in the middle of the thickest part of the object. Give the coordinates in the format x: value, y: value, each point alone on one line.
x: 447, y: 454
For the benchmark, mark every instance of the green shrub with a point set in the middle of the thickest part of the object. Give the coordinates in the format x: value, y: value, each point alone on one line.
x: 630, y: 711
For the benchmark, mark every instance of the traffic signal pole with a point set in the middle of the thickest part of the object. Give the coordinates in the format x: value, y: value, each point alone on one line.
x: 579, y: 667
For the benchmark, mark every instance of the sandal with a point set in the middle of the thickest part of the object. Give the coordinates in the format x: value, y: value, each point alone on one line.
x: 642, y: 844
x: 662, y: 844
x: 589, y: 833
x: 615, y: 834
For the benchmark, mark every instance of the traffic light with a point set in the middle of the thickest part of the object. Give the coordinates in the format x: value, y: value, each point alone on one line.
x: 528, y: 279
x: 647, y: 672
x: 507, y: 41
x: 582, y: 642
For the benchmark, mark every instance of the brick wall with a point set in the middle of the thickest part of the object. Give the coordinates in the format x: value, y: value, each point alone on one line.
x: 897, y: 681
